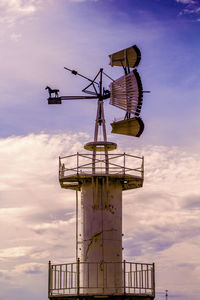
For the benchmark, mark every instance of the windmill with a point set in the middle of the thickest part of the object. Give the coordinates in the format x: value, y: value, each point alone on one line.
x: 101, y: 177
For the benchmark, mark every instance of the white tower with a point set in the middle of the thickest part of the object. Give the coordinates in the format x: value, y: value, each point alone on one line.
x: 100, y: 176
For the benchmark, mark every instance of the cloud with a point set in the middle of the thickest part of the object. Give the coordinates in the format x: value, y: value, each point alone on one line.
x: 15, y: 36
x: 191, y: 7
x: 161, y: 220
x: 30, y: 268
x: 13, y: 10
x: 187, y: 1
x: 14, y: 252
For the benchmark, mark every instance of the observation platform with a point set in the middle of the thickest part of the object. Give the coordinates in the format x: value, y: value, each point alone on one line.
x: 66, y: 281
x: 77, y: 168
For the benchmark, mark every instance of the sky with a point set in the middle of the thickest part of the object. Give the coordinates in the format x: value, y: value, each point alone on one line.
x: 161, y: 221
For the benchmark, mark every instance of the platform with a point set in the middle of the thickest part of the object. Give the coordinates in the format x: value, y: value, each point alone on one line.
x: 77, y: 168
x: 66, y: 281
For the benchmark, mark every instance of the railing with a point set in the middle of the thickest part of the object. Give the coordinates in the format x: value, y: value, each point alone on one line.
x: 83, y: 278
x: 118, y: 164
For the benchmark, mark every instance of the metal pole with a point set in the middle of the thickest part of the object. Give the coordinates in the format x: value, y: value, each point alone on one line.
x: 95, y: 138
x: 104, y: 137
x: 124, y: 277
x: 124, y: 162
x: 77, y: 162
x: 78, y: 276
x: 76, y: 225
x: 166, y: 295
x: 142, y: 167
x: 153, y: 283
x: 49, y: 279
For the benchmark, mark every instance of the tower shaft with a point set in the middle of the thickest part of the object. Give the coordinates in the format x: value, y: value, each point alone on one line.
x: 101, y: 205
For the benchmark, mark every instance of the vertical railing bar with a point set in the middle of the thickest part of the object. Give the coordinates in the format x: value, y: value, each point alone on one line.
x: 147, y: 276
x: 49, y: 280
x: 142, y: 276
x: 78, y: 276
x: 131, y: 275
x: 97, y: 267
x: 115, y: 283
x: 124, y: 277
x: 66, y: 276
x: 136, y: 270
x: 124, y: 163
x: 135, y: 274
x: 77, y: 157
x: 153, y: 270
x: 60, y: 281
x: 88, y: 274
x: 107, y: 272
x: 71, y: 283
x: 142, y: 166
x: 55, y: 278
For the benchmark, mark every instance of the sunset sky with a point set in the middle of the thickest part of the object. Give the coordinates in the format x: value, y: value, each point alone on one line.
x: 161, y: 221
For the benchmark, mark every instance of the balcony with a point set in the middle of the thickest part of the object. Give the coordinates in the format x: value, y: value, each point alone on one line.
x: 94, y: 280
x: 73, y: 169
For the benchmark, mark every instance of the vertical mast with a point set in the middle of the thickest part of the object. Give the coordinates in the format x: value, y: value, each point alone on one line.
x: 100, y: 121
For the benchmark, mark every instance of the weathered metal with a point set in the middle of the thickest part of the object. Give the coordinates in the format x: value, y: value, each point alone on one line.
x: 131, y: 127
x: 67, y: 280
x: 77, y: 168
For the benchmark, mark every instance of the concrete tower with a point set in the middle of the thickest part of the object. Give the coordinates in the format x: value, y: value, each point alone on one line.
x: 101, y: 176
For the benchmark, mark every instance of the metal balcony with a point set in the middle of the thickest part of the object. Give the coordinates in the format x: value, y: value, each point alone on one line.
x: 73, y: 169
x: 68, y: 281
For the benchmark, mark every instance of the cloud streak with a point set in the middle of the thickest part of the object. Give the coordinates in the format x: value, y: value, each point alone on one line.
x: 192, y: 7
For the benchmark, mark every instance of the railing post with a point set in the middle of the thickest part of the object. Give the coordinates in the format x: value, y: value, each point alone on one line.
x: 153, y: 280
x: 124, y: 277
x: 78, y: 276
x: 59, y: 168
x: 124, y: 162
x: 77, y: 156
x: 49, y: 279
x: 142, y: 167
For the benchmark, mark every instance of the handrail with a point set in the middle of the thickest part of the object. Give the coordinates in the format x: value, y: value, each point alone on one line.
x: 110, y: 154
x: 85, y: 162
x: 81, y: 278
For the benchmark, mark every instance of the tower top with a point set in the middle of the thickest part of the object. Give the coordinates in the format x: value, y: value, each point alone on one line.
x: 125, y: 93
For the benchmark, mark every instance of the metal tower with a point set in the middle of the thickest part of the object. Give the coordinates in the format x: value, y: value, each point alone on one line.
x: 101, y: 177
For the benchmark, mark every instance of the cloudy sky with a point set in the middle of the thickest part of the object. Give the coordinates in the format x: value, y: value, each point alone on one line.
x: 37, y: 219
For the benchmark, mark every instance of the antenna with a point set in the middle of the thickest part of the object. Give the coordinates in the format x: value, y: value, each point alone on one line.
x: 166, y: 294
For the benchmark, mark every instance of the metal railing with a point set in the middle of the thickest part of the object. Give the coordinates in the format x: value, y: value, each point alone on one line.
x: 84, y: 278
x: 118, y: 164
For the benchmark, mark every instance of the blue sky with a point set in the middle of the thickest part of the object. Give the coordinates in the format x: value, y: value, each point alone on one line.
x: 74, y: 34
x: 37, y: 39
